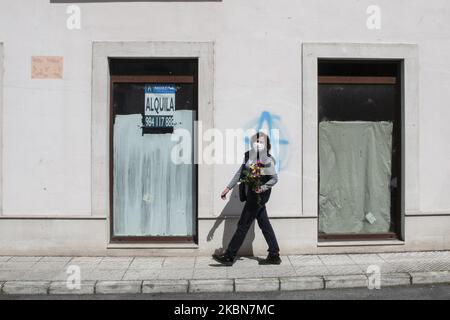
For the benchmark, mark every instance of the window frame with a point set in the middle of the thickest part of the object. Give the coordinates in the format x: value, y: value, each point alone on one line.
x: 100, y: 126
x: 395, y: 81
x: 159, y: 80
x: 408, y: 53
x: 1, y: 128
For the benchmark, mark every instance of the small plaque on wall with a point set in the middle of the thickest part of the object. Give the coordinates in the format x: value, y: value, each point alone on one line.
x: 47, y: 67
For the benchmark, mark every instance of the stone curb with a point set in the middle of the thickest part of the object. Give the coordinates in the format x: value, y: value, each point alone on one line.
x: 26, y: 287
x: 60, y: 287
x: 118, y: 287
x: 430, y: 277
x: 346, y: 281
x: 220, y: 285
x: 302, y: 283
x: 257, y: 285
x: 395, y: 279
x: 165, y: 286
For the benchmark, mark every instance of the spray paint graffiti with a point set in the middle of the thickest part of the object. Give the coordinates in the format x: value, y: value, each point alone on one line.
x: 268, y: 121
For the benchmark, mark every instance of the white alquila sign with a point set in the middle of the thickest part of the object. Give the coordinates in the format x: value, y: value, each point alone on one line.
x: 159, y: 106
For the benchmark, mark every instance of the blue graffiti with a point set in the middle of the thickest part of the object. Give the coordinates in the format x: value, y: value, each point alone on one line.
x: 272, y: 122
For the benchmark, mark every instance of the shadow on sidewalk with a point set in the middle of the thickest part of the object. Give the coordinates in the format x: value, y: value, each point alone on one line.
x: 230, y: 216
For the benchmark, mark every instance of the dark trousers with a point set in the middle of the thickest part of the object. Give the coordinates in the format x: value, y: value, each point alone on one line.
x: 254, y: 210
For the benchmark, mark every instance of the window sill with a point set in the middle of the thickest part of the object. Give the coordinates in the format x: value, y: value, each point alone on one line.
x: 367, y: 243
x: 152, y: 246
x: 52, y: 217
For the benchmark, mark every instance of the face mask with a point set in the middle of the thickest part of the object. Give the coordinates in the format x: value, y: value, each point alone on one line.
x: 258, y: 146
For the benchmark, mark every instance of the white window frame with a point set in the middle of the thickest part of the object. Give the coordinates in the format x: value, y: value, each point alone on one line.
x: 1, y: 128
x: 204, y: 51
x: 311, y: 52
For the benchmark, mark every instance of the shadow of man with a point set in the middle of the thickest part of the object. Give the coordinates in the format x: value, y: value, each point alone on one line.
x: 230, y: 216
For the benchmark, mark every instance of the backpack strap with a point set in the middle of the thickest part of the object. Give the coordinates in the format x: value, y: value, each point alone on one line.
x: 246, y: 156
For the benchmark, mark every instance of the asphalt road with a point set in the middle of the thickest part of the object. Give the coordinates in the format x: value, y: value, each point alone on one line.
x: 435, y: 292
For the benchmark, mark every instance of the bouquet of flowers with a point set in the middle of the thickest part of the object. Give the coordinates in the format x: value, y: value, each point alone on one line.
x: 252, y: 178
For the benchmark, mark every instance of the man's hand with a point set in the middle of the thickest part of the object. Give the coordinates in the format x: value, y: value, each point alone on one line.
x: 224, y: 193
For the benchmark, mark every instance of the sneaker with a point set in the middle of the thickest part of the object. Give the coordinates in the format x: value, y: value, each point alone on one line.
x: 224, y: 259
x: 271, y: 259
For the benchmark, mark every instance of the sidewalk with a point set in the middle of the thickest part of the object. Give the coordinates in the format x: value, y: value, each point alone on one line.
x: 131, y: 275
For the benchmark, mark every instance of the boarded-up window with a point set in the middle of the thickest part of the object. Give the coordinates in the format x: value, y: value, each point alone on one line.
x: 154, y: 197
x: 359, y: 149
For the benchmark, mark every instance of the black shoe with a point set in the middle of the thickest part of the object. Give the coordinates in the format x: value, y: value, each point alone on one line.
x: 224, y: 259
x: 271, y: 259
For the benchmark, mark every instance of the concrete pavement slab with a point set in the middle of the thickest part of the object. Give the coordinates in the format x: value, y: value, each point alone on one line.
x: 25, y: 259
x: 179, y: 262
x: 103, y: 275
x: 173, y: 273
x: 333, y: 260
x: 345, y: 269
x: 37, y: 275
x: 146, y: 263
x: 141, y: 274
x: 278, y: 272
x: 210, y: 273
x: 14, y: 265
x: 106, y: 265
x: 55, y: 265
x: 9, y: 275
x: 56, y: 259
x: 239, y: 273
x: 312, y: 271
x: 305, y: 260
x: 76, y: 260
x: 366, y: 259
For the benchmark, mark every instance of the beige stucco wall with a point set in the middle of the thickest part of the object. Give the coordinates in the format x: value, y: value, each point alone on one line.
x: 46, y: 170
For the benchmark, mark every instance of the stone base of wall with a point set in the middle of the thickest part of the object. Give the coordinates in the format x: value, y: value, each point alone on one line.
x: 89, y: 237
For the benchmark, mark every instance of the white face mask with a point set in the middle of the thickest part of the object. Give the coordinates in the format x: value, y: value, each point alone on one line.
x: 258, y: 146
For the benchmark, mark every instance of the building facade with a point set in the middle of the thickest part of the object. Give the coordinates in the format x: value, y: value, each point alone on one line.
x: 354, y: 95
